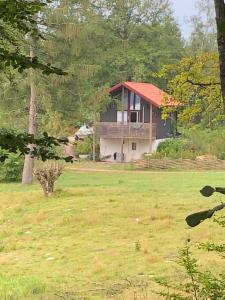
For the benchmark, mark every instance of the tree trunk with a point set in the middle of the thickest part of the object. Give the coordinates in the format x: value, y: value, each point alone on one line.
x: 220, y: 22
x: 27, y: 177
x: 94, y: 139
x: 122, y: 142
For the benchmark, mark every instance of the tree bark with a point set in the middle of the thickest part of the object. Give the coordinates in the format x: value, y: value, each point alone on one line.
x: 94, y: 139
x: 122, y: 142
x: 220, y: 22
x: 27, y: 177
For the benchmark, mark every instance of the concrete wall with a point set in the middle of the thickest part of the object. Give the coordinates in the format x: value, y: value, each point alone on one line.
x: 110, y: 146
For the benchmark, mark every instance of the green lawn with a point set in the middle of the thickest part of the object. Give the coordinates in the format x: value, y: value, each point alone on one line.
x: 101, y: 231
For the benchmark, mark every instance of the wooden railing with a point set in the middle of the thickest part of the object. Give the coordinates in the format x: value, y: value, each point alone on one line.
x: 129, y: 130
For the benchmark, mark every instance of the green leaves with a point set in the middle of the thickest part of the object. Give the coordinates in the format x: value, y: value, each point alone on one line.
x: 18, y: 20
x: 42, y: 147
x: 194, y: 81
x: 207, y: 191
x: 196, y: 218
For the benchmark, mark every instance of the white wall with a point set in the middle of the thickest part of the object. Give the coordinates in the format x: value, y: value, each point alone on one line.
x: 110, y: 146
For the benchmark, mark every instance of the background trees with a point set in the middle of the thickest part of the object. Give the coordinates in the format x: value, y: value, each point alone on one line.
x: 99, y: 43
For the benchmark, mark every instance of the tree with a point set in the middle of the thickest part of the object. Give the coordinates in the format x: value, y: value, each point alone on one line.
x: 27, y: 177
x: 16, y: 22
x: 112, y: 54
x: 194, y: 81
x: 203, y: 35
x: 220, y: 23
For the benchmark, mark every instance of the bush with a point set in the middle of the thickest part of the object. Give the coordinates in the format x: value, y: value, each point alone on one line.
x: 207, y: 141
x: 194, y: 142
x: 175, y: 148
x: 197, y: 284
x: 47, y: 174
x: 11, y: 169
x: 84, y: 147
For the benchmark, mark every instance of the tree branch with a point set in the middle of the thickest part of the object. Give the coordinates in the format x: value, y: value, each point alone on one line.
x: 202, y: 84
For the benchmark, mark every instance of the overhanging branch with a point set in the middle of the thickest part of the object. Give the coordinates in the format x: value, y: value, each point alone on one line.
x: 202, y: 84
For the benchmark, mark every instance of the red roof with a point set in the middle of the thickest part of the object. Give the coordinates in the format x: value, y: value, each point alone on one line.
x: 147, y: 91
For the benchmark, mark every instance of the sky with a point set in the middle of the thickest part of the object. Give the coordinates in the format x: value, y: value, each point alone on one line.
x: 183, y: 10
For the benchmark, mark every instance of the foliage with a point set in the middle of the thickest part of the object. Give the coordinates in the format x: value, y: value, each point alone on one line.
x: 204, y: 141
x: 194, y: 142
x: 18, y: 18
x: 11, y: 168
x: 47, y: 173
x: 14, y: 142
x: 198, y: 285
x: 196, y: 218
x: 112, y: 54
x: 194, y: 81
x: 175, y: 148
x: 203, y: 23
x: 84, y: 147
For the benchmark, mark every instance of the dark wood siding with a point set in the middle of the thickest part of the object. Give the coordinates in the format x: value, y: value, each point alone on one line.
x: 163, y: 128
x: 110, y: 115
x: 146, y: 114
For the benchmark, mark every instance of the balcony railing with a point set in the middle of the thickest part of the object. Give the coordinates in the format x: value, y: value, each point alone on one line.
x: 129, y: 130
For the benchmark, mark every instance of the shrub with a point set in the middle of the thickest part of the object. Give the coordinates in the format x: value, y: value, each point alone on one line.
x: 197, y: 285
x: 84, y: 147
x: 47, y: 173
x: 194, y: 142
x: 175, y: 148
x: 11, y: 169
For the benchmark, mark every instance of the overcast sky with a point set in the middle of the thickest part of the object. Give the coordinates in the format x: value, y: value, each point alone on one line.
x: 183, y: 9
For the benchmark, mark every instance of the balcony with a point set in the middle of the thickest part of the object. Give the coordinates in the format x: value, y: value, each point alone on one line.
x: 129, y: 130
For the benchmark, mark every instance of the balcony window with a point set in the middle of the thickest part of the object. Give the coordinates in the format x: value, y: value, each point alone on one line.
x: 135, y: 101
x: 120, y: 116
x: 125, y: 99
x: 134, y: 117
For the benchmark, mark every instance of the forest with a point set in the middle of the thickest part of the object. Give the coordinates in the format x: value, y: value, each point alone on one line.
x: 100, y: 230
x: 101, y: 43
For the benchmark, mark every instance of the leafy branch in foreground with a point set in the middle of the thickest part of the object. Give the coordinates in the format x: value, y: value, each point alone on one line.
x: 196, y: 218
x: 197, y: 284
x: 18, y: 20
x: 44, y: 146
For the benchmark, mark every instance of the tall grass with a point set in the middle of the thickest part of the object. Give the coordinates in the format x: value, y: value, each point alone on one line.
x: 194, y: 142
x: 20, y: 287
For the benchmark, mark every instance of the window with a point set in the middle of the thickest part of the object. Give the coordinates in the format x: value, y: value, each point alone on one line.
x: 125, y: 99
x: 135, y: 101
x: 134, y: 116
x: 120, y: 116
x: 134, y: 146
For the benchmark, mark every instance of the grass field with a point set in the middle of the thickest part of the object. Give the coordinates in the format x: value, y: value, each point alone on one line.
x: 102, y: 233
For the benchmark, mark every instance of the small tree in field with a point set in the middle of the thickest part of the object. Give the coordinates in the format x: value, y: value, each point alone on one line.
x: 47, y: 173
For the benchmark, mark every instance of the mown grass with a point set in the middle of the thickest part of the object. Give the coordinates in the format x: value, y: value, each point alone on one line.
x: 101, y: 233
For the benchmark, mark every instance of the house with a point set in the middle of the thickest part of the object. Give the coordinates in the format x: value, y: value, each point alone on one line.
x: 132, y: 124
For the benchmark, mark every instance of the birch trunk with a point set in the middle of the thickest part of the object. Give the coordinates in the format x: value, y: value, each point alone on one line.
x: 27, y: 176
x: 220, y: 22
